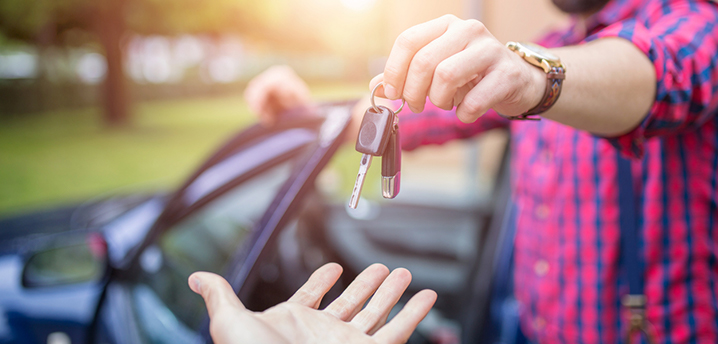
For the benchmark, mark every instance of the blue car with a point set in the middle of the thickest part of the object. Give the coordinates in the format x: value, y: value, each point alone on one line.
x: 115, y: 270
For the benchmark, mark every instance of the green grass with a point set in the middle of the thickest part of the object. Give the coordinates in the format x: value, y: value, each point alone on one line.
x: 69, y: 156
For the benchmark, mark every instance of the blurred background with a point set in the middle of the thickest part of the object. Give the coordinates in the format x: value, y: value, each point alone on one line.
x: 108, y: 106
x: 104, y: 97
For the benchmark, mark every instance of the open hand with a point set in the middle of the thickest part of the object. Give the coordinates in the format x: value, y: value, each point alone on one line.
x: 459, y: 63
x: 299, y: 321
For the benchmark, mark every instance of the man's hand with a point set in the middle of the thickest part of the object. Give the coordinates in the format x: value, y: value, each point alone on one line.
x: 459, y: 63
x: 610, y: 84
x: 279, y: 89
x: 299, y: 321
x: 274, y: 91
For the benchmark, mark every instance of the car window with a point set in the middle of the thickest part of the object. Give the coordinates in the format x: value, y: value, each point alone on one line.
x: 161, y: 326
x: 205, y: 241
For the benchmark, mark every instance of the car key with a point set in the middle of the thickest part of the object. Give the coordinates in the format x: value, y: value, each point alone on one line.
x: 391, y: 165
x: 359, y: 183
x: 375, y: 133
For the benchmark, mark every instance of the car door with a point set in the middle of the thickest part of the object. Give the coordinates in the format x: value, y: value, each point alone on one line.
x: 223, y: 219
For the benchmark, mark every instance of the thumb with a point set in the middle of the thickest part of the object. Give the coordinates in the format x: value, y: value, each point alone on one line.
x: 215, y: 290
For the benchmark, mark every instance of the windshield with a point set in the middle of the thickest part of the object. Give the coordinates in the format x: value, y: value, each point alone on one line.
x: 205, y: 241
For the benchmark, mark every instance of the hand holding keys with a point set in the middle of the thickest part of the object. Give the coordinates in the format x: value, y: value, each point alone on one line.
x: 379, y: 136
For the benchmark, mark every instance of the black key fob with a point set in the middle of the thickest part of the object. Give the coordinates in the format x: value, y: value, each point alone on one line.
x: 375, y: 131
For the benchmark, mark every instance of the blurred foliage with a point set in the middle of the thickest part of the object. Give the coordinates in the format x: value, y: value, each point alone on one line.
x: 311, y: 25
x: 28, y: 20
x: 24, y: 19
x: 170, y: 17
x: 107, y: 26
x: 67, y: 156
x: 295, y: 25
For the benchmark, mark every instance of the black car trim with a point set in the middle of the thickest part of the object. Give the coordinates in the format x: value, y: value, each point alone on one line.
x: 243, y: 161
x: 278, y: 213
x: 294, y: 119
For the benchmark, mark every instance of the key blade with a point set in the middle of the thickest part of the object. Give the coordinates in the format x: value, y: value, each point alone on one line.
x: 359, y: 183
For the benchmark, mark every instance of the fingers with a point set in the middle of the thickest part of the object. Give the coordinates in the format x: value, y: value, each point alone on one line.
x: 318, y: 284
x: 349, y: 303
x: 404, y: 49
x: 438, y: 59
x: 491, y: 90
x: 463, y: 91
x: 403, y: 324
x: 259, y: 91
x: 457, y: 71
x: 423, y: 67
x: 256, y: 95
x: 388, y: 294
x: 274, y: 91
x: 294, y: 93
x: 215, y: 290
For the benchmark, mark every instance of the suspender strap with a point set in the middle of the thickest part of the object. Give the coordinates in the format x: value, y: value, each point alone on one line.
x: 635, y: 301
x: 629, y: 228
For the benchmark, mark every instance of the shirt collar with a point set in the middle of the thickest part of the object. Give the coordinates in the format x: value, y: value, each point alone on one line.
x: 613, y: 12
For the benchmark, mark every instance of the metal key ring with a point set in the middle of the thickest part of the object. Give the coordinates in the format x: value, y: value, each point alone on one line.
x: 376, y: 108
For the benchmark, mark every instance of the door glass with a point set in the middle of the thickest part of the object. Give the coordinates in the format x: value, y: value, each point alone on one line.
x: 205, y: 241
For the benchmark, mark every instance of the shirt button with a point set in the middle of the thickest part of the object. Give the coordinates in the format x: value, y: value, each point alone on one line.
x: 542, y: 211
x: 541, y: 267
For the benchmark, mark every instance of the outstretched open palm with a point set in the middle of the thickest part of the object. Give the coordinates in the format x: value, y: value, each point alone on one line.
x: 298, y: 320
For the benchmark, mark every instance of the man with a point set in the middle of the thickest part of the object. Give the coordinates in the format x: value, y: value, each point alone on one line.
x: 640, y: 80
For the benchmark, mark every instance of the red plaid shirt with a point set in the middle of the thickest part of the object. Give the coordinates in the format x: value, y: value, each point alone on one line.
x: 567, y: 276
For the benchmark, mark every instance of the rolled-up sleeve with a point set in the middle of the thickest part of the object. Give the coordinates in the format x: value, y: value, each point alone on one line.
x: 437, y: 126
x: 681, y: 40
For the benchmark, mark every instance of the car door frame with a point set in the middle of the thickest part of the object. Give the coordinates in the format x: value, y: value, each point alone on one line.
x: 335, y: 116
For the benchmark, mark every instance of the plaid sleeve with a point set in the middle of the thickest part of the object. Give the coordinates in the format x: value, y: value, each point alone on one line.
x: 681, y: 40
x: 437, y: 126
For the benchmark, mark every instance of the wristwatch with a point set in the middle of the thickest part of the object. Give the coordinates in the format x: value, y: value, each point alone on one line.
x: 555, y: 73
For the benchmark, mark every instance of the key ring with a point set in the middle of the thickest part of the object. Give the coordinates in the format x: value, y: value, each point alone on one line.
x: 376, y: 108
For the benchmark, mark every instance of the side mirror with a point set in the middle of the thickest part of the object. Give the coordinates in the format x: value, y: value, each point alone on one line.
x: 71, y: 263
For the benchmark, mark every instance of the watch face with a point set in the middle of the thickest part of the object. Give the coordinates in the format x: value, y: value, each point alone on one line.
x: 540, y: 51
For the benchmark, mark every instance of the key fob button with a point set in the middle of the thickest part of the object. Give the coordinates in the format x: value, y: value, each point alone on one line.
x: 368, y: 134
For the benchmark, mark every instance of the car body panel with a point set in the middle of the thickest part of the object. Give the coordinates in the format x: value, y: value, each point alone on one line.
x: 130, y: 229
x: 30, y: 315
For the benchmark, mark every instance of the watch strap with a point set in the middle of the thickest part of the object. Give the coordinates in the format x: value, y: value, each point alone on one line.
x: 554, y: 81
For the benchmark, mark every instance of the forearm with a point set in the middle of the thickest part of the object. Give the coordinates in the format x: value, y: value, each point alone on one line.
x: 609, y: 88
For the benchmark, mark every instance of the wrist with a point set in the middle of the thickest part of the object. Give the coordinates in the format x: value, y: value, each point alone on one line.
x: 537, y: 90
x: 554, y: 74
